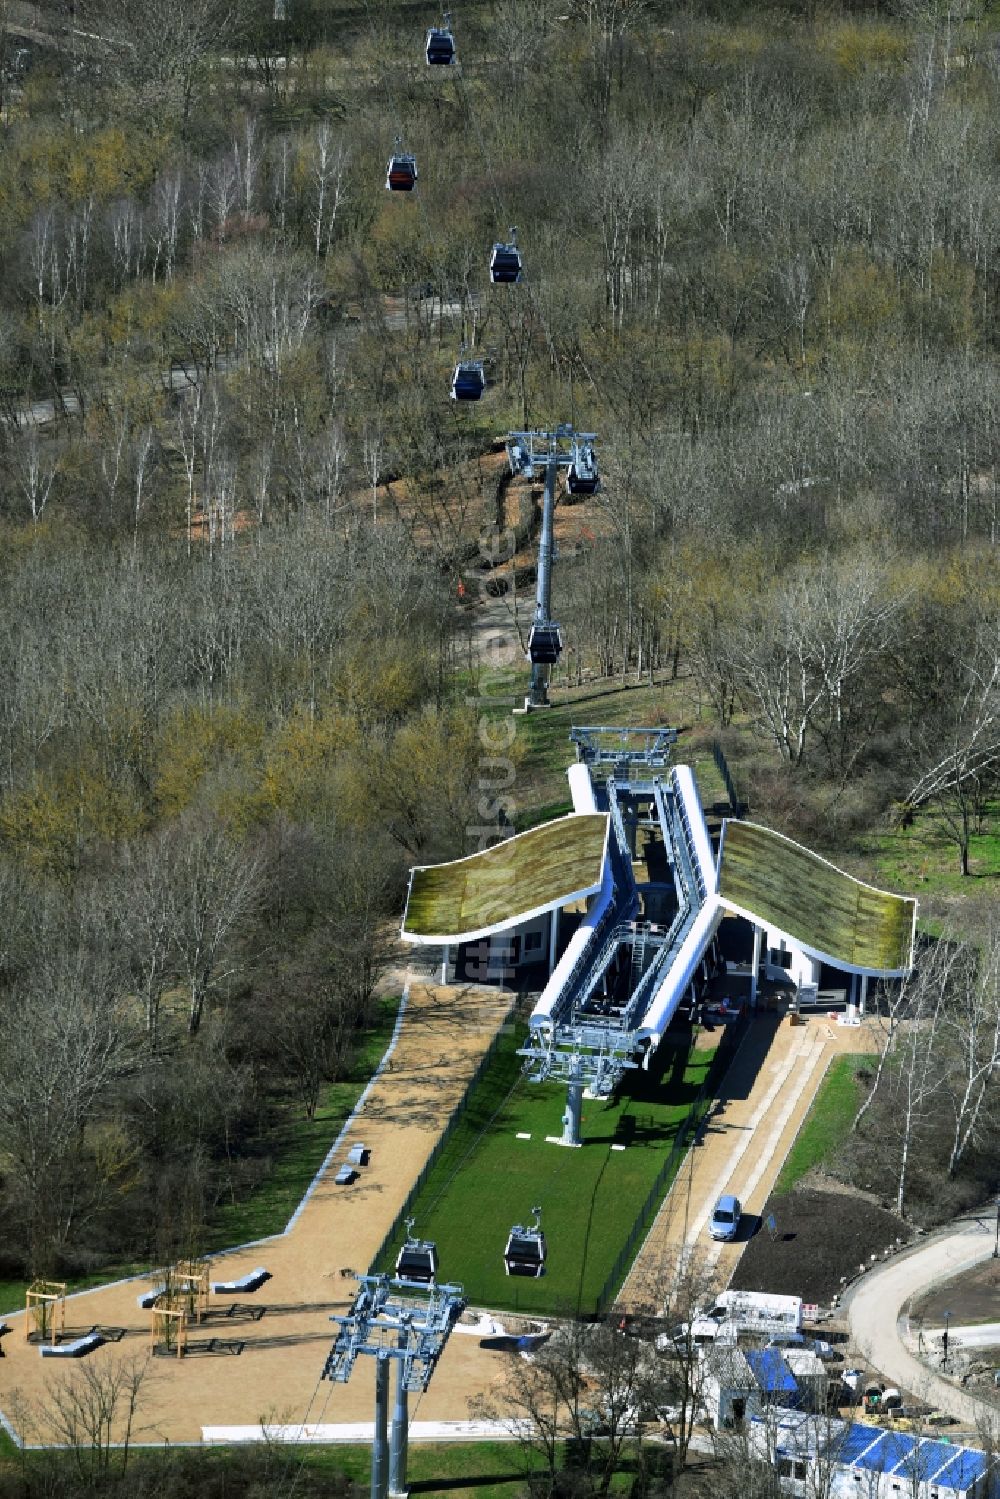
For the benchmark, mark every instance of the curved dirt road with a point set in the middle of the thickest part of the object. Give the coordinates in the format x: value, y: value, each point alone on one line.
x: 875, y: 1305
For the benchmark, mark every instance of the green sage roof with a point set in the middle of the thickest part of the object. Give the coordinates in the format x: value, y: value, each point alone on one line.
x: 786, y: 886
x: 534, y: 872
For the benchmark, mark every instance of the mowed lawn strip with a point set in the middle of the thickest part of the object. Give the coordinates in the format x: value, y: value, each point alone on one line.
x: 526, y: 873
x: 798, y: 892
x: 828, y: 1122
x: 486, y: 1179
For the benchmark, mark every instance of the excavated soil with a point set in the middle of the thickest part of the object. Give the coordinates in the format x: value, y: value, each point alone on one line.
x: 821, y: 1239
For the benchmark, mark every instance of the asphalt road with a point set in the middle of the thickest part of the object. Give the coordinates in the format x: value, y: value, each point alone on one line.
x: 874, y: 1310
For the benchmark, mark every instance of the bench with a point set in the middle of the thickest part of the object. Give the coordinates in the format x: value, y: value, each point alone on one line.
x: 358, y: 1155
x: 345, y: 1176
x: 76, y: 1349
x: 252, y: 1281
x: 145, y: 1299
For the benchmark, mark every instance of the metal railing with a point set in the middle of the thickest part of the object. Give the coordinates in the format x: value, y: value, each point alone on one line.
x: 737, y: 807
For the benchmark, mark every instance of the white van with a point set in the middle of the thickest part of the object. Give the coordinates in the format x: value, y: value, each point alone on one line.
x: 736, y: 1313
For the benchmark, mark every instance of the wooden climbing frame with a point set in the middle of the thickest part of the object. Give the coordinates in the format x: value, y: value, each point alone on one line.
x: 169, y: 1324
x: 188, y: 1279
x: 45, y: 1309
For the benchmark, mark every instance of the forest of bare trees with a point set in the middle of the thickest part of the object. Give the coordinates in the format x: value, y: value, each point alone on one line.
x: 237, y: 510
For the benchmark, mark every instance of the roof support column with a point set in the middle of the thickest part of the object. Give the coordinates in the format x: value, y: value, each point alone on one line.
x: 864, y: 994
x: 553, y: 938
x: 445, y: 962
x: 755, y: 965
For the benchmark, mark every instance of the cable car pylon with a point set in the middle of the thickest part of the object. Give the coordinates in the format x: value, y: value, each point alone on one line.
x: 548, y: 452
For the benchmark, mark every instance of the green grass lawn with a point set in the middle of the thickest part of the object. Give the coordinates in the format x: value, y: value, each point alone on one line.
x: 487, y: 1470
x: 828, y: 1122
x: 545, y: 736
x: 924, y: 859
x: 297, y: 1147
x: 486, y: 1179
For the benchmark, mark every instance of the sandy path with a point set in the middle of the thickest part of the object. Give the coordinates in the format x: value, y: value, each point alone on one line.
x: 442, y: 1039
x: 762, y: 1102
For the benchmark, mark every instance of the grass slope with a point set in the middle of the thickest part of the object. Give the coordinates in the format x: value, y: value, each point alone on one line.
x: 828, y: 1123
x: 525, y: 873
x: 796, y: 891
x: 486, y: 1179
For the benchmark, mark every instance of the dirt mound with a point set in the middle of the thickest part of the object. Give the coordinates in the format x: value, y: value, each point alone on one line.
x: 820, y: 1237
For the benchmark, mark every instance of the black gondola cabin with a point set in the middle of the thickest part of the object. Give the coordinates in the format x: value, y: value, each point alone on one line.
x: 417, y: 1261
x: 439, y: 48
x: 583, y: 477
x: 544, y: 645
x: 505, y: 265
x: 469, y: 380
x: 526, y: 1252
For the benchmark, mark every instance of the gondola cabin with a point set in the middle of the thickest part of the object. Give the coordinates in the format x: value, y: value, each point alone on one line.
x: 526, y: 1252
x: 519, y: 459
x: 401, y: 173
x: 469, y: 380
x: 544, y: 645
x: 582, y: 476
x: 417, y: 1261
x: 439, y: 48
x: 505, y: 265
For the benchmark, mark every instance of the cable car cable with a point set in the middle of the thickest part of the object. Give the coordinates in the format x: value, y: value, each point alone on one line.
x: 438, y: 262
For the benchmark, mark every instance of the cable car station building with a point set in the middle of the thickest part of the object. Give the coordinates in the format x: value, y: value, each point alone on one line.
x: 617, y: 906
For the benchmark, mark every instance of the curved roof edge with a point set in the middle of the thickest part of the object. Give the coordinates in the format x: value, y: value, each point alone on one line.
x: 555, y: 835
x: 732, y: 909
x: 806, y: 898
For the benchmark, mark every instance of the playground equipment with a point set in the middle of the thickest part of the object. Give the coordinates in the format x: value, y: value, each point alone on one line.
x: 45, y: 1311
x: 419, y: 1327
x: 181, y: 1299
x: 169, y: 1324
x: 526, y: 1251
x: 188, y: 1281
x: 417, y: 1261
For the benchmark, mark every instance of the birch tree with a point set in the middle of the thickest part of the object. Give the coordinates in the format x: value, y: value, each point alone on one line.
x: 971, y: 1035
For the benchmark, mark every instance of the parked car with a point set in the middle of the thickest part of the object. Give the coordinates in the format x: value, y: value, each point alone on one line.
x: 725, y: 1219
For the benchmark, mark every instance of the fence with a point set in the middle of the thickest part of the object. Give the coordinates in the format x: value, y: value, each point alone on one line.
x: 739, y: 809
x: 720, y: 1062
x: 442, y: 1141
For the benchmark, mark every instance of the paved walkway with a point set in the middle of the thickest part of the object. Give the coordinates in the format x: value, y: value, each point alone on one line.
x: 275, y: 1377
x: 875, y: 1305
x: 763, y: 1100
x: 972, y: 1335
